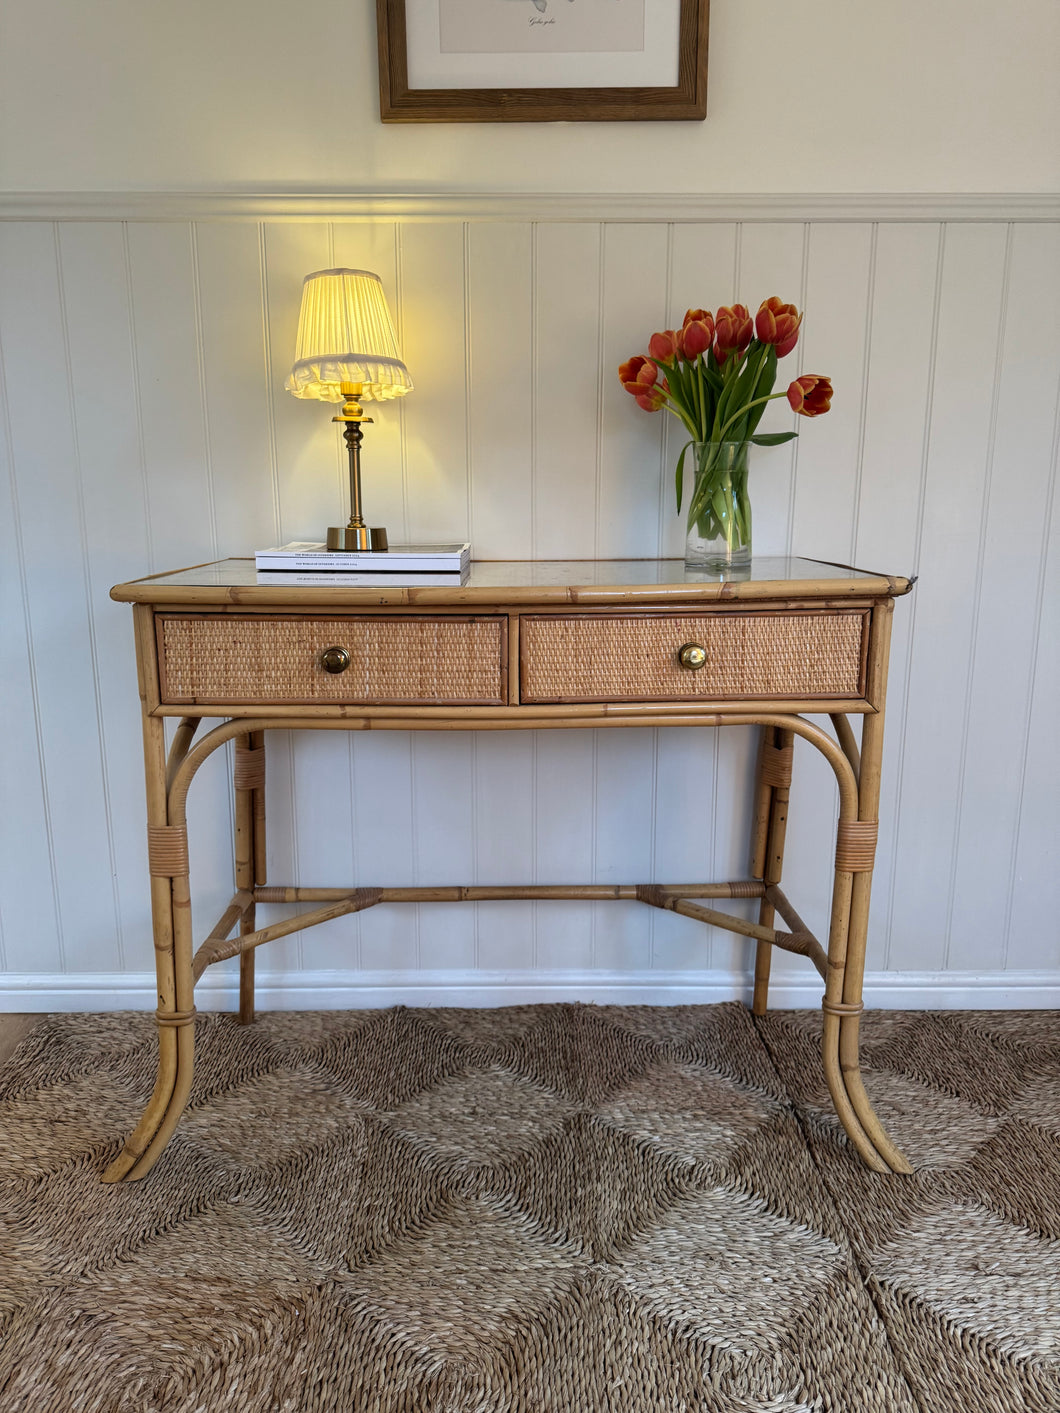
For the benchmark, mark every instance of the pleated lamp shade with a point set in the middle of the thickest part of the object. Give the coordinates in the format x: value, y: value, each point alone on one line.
x: 346, y: 335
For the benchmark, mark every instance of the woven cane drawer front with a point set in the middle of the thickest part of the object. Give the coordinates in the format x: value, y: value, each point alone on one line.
x: 399, y: 661
x: 748, y: 655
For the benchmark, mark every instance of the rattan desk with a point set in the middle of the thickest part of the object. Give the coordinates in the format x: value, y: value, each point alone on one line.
x: 523, y: 645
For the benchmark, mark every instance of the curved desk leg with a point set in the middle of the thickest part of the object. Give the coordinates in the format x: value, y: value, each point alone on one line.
x: 772, y: 794
x: 171, y: 918
x: 855, y: 857
x: 849, y: 1021
x: 837, y: 1010
x: 180, y: 1018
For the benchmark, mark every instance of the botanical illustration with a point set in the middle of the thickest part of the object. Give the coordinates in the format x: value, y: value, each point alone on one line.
x: 541, y: 26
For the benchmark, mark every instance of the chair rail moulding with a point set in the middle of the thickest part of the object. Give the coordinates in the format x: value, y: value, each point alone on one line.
x: 674, y: 208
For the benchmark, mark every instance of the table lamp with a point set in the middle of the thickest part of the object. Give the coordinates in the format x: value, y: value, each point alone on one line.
x: 347, y: 352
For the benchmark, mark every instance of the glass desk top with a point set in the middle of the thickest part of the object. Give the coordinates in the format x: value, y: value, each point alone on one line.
x: 515, y: 581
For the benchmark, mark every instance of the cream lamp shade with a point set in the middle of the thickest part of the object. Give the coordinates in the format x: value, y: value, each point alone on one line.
x: 346, y: 335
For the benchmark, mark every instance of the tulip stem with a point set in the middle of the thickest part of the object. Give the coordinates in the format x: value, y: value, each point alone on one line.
x: 720, y: 436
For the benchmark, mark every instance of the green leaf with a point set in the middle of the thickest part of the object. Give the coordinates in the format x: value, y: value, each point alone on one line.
x: 679, y: 474
x: 763, y: 387
x: 678, y: 388
x: 773, y: 438
x: 711, y: 390
x: 768, y: 374
x: 738, y: 391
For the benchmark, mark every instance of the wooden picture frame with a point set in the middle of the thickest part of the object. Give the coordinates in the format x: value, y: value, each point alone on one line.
x: 400, y: 103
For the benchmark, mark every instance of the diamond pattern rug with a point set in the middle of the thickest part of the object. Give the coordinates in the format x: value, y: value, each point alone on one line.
x: 556, y: 1209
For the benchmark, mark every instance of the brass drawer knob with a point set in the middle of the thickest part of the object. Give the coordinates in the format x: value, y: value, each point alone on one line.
x: 692, y: 656
x: 335, y: 659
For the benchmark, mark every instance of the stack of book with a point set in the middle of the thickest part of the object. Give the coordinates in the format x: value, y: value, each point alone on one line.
x: 311, y: 562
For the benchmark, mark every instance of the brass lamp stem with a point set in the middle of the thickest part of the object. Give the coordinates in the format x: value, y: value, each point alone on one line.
x: 355, y: 536
x: 354, y: 436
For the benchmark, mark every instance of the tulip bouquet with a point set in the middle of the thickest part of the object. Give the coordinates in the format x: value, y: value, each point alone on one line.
x: 716, y: 373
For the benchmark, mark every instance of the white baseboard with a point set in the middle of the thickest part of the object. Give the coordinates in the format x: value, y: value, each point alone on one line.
x: 350, y: 990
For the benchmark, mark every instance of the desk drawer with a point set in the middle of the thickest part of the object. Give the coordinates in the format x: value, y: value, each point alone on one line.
x: 278, y: 658
x: 755, y: 655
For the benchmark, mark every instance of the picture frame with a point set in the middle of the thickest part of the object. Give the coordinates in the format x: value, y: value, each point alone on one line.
x: 419, y: 82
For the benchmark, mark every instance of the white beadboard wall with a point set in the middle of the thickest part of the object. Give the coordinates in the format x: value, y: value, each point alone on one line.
x: 143, y: 347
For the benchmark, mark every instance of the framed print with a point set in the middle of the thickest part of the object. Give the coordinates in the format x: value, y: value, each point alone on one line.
x: 541, y: 61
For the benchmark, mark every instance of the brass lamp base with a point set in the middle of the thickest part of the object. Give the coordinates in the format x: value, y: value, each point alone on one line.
x: 357, y: 537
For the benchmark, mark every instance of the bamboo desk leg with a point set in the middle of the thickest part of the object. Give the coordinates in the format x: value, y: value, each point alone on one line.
x: 772, y: 794
x: 249, y: 780
x: 171, y: 917
x: 869, y: 775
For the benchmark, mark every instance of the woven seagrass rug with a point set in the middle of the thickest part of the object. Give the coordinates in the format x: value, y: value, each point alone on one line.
x: 569, y: 1209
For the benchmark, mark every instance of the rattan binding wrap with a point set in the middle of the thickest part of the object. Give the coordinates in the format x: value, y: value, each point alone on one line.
x: 248, y: 772
x: 842, y: 1008
x: 167, y: 850
x: 855, y: 849
x: 176, y: 1019
x: 661, y: 897
x: 225, y: 658
x: 776, y: 765
x: 751, y: 655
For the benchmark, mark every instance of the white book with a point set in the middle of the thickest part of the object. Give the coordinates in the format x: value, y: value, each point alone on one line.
x: 338, y: 578
x: 399, y: 559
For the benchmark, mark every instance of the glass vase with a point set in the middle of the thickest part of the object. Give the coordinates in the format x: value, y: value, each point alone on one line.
x: 719, y: 511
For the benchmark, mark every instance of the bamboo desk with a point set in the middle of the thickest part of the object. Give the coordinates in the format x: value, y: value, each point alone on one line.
x: 603, y: 643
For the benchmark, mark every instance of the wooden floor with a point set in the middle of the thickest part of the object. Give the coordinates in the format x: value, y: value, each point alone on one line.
x: 12, y: 1029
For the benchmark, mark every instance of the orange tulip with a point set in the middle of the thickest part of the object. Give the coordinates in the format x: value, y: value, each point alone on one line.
x: 663, y: 346
x: 810, y: 395
x: 733, y: 330
x: 651, y: 399
x: 638, y: 374
x: 778, y: 324
x: 697, y: 334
